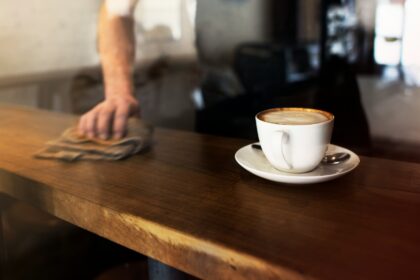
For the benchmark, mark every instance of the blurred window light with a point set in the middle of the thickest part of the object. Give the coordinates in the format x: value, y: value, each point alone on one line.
x: 387, y: 52
x: 389, y: 20
x: 389, y: 31
x: 411, y: 38
x: 411, y: 43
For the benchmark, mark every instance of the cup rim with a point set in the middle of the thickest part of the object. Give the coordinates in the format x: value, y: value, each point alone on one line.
x: 330, y: 117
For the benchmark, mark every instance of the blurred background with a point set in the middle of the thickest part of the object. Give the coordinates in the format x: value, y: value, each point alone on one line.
x: 209, y: 66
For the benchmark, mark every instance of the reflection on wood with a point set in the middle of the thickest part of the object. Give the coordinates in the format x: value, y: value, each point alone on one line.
x: 187, y: 203
x: 36, y: 245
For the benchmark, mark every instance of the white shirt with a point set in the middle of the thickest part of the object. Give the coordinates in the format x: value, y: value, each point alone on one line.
x: 121, y: 7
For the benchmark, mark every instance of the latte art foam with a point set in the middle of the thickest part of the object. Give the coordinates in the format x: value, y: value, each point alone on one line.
x: 294, y: 117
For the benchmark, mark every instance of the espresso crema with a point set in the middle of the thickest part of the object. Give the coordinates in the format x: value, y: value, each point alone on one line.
x: 294, y: 116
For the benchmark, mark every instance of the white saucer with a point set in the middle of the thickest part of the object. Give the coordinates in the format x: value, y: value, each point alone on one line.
x: 255, y: 162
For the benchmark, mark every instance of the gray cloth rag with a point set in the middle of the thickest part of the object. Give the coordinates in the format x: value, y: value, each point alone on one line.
x: 72, y: 147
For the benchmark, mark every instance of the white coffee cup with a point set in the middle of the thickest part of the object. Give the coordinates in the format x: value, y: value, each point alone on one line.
x: 294, y: 139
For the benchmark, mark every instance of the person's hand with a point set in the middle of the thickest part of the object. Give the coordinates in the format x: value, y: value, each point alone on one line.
x: 109, y: 118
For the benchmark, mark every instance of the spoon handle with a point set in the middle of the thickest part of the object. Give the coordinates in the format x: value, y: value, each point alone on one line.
x: 327, y: 159
x: 256, y: 146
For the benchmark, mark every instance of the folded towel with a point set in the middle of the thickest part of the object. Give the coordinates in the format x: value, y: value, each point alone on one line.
x: 72, y: 147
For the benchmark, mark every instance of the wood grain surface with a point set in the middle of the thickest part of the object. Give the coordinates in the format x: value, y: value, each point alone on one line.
x: 188, y: 204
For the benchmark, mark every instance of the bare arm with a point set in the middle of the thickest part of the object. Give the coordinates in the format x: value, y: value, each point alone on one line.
x: 117, y: 51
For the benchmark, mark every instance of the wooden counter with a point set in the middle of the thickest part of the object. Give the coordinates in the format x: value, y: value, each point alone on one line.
x: 188, y: 204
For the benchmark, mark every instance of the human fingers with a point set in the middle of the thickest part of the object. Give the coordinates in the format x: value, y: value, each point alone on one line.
x: 103, y: 122
x: 90, y: 124
x: 81, y: 126
x: 120, y: 121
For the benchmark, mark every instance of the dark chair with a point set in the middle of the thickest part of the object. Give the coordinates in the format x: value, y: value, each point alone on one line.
x: 264, y: 72
x: 261, y: 68
x: 339, y: 94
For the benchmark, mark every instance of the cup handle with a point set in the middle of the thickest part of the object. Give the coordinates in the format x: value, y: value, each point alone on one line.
x: 284, y: 136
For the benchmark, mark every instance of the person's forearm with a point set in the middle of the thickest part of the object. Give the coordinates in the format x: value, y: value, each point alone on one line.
x: 117, y: 51
x: 116, y: 47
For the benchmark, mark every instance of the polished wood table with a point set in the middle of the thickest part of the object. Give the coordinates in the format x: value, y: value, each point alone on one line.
x: 188, y: 204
